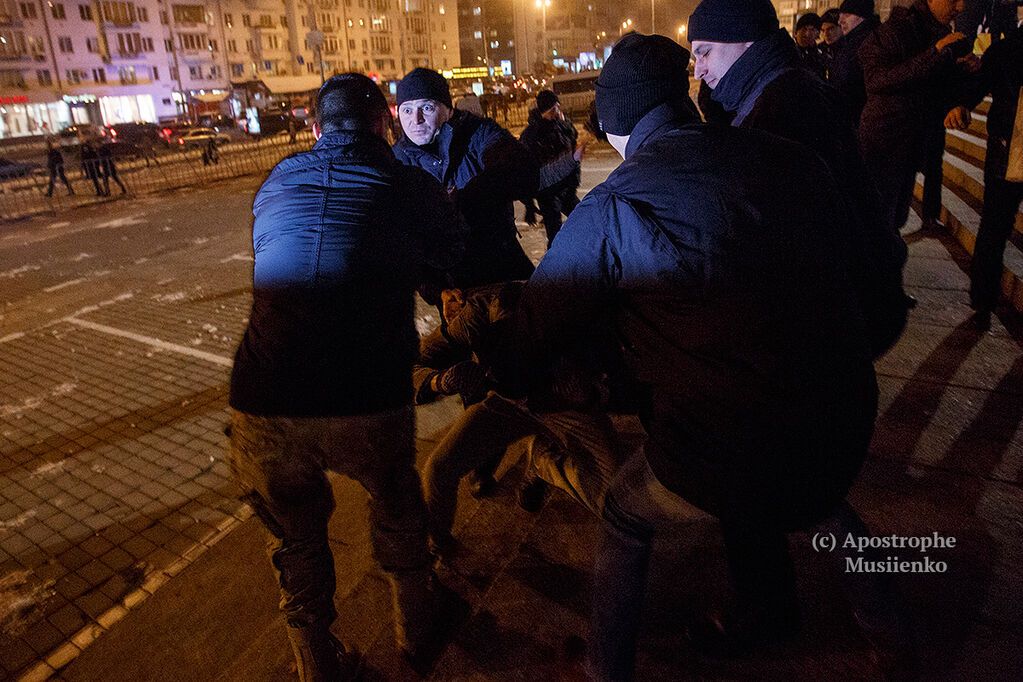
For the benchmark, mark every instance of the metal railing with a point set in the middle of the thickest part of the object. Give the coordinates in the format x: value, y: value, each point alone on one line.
x: 96, y: 182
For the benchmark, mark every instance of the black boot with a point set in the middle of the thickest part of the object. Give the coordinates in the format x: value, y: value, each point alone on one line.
x: 320, y: 657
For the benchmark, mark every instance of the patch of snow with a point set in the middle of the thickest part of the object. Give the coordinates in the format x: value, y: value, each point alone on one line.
x: 11, y: 337
x: 127, y: 221
x: 10, y: 410
x: 19, y: 520
x: 63, y: 285
x: 64, y: 389
x: 198, y: 241
x: 82, y: 256
x: 11, y: 274
x: 170, y: 298
x: 425, y: 324
x: 244, y: 257
x: 21, y: 601
x: 49, y: 468
x: 209, y: 328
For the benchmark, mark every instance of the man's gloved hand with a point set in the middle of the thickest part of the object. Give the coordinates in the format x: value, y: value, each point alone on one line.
x: 466, y: 378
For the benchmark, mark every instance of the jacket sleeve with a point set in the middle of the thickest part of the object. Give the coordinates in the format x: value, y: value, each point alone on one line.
x: 509, y: 171
x: 570, y: 289
x: 886, y: 69
x: 436, y: 353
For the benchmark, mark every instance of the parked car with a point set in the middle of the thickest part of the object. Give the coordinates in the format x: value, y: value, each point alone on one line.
x: 10, y: 170
x: 191, y: 138
x: 134, y: 133
x: 224, y: 124
x: 75, y: 134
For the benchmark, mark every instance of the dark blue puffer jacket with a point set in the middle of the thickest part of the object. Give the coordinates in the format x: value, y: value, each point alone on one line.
x: 486, y: 169
x: 342, y: 235
x: 721, y: 258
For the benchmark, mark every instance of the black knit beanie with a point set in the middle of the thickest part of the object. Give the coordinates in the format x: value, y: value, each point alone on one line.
x: 861, y: 8
x: 733, y: 21
x: 545, y: 99
x: 641, y: 73
x: 808, y: 19
x: 423, y: 84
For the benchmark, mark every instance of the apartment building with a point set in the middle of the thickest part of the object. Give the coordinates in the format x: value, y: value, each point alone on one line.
x: 104, y: 61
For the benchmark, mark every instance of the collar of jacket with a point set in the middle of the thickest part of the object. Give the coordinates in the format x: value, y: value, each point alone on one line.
x: 344, y: 138
x: 861, y: 31
x: 660, y: 120
x: 764, y: 61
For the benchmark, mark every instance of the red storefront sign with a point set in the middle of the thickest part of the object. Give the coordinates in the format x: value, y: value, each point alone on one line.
x: 13, y: 99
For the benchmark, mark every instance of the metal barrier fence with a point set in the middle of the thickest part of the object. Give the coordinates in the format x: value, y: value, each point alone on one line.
x: 97, y: 182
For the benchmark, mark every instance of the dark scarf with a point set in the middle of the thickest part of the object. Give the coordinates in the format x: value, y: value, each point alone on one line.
x: 765, y: 60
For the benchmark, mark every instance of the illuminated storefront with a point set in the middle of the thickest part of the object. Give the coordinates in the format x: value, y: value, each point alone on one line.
x: 19, y: 117
x: 127, y: 109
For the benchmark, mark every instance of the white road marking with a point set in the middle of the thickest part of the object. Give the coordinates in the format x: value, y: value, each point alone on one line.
x: 237, y: 256
x: 152, y: 342
x: 69, y: 283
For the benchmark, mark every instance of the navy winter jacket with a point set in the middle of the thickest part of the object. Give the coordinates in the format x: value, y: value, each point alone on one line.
x: 486, y: 170
x: 721, y: 257
x: 342, y: 236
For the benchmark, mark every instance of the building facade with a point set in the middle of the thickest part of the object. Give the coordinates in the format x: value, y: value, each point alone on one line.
x: 535, y: 36
x: 105, y: 62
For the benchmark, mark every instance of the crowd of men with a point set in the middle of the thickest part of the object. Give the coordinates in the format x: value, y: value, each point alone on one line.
x: 726, y: 290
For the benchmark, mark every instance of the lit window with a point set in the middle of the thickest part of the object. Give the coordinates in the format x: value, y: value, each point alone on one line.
x: 478, y: 35
x: 441, y: 10
x: 476, y: 11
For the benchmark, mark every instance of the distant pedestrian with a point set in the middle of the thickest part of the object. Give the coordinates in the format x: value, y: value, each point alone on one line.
x: 322, y: 380
x: 808, y: 32
x: 553, y: 141
x: 858, y: 21
x: 471, y: 103
x: 108, y: 168
x: 210, y: 155
x: 90, y: 164
x: 484, y: 168
x: 915, y: 70
x: 292, y: 130
x: 55, y: 164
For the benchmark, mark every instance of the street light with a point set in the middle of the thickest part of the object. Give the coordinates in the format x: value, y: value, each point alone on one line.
x: 626, y: 25
x: 682, y: 28
x: 543, y: 5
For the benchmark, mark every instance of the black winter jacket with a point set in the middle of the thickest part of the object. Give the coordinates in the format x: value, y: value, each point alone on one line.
x: 485, y: 169
x: 721, y: 258
x: 772, y: 94
x: 846, y: 74
x: 910, y: 84
x: 552, y: 143
x: 341, y: 237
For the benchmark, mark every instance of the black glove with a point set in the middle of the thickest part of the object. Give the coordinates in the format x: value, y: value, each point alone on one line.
x: 466, y: 378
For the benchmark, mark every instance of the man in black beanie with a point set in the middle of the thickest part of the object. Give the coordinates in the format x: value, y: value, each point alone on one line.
x: 719, y: 257
x: 808, y: 31
x: 756, y: 73
x: 552, y: 139
x: 483, y: 167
